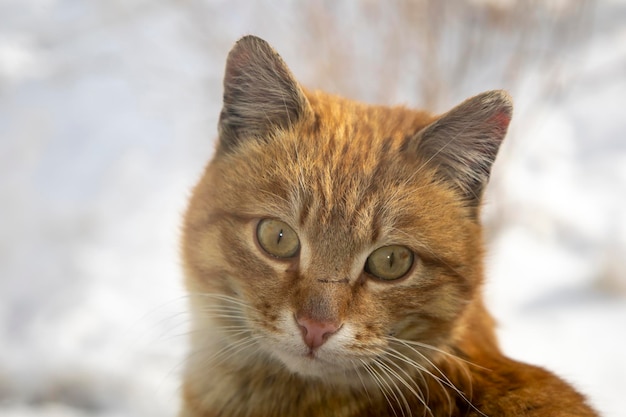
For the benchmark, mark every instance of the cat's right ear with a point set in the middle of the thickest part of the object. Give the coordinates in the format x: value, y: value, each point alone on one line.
x: 463, y: 143
x: 260, y: 94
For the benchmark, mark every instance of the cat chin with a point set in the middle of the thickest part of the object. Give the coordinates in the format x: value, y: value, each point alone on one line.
x: 304, y: 366
x: 311, y: 367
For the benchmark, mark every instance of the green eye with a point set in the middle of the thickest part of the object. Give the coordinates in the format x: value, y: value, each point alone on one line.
x: 389, y: 262
x: 277, y: 238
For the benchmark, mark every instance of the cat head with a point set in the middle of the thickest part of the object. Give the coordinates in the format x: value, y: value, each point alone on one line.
x: 326, y: 233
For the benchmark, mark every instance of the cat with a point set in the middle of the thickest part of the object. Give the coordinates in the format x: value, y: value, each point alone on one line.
x: 333, y: 257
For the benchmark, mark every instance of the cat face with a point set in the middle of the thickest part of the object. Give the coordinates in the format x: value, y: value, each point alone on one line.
x: 325, y: 234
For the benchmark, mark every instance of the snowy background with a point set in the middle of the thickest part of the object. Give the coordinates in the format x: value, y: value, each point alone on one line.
x: 108, y: 112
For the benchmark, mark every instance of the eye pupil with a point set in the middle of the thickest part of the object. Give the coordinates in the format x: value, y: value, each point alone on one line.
x: 391, y: 259
x: 280, y: 236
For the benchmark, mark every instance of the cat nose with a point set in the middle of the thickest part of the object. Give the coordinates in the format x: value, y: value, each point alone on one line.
x: 315, y: 333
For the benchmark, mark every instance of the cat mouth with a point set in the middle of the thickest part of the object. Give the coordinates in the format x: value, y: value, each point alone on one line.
x: 311, y: 362
x: 312, y: 354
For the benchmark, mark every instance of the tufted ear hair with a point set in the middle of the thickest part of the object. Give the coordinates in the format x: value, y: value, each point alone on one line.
x: 260, y: 94
x: 463, y: 142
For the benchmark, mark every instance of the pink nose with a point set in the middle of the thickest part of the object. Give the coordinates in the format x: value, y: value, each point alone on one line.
x: 316, y: 333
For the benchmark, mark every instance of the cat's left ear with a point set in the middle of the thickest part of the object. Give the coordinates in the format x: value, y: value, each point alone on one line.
x: 260, y: 94
x: 463, y: 143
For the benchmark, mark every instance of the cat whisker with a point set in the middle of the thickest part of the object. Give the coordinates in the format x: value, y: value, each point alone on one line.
x: 465, y: 370
x: 208, y: 362
x: 443, y: 380
x: 225, y: 316
x: 444, y: 377
x: 233, y: 309
x: 414, y: 388
x: 417, y: 366
x: 397, y: 393
x: 230, y: 350
x: 230, y: 330
x: 224, y: 297
x: 421, y: 371
x: 357, y: 370
x: 382, y: 385
x: 435, y: 349
x: 393, y: 377
x: 220, y: 307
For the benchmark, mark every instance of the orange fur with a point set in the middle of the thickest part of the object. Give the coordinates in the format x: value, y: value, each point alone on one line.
x: 348, y: 178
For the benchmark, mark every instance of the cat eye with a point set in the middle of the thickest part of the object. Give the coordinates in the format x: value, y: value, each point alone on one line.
x: 389, y: 262
x: 277, y: 238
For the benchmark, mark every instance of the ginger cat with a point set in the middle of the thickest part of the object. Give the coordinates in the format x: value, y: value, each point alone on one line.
x: 334, y: 260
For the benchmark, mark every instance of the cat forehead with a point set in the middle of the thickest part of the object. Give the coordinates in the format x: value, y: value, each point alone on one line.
x: 350, y: 160
x: 334, y: 185
x: 342, y: 118
x: 346, y: 137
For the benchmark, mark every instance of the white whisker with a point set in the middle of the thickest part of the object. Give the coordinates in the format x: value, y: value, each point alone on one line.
x: 443, y: 380
x: 380, y: 383
x: 357, y: 370
x: 413, y: 388
x: 435, y: 349
x: 230, y: 350
x: 386, y: 381
x: 424, y: 370
x: 223, y: 297
x: 393, y: 376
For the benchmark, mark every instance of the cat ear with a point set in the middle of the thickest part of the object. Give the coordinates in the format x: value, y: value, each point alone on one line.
x: 463, y: 143
x: 260, y: 94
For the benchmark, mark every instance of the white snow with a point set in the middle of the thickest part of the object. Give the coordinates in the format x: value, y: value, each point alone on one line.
x: 108, y: 111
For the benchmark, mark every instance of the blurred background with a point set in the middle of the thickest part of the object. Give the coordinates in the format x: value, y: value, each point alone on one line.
x: 108, y: 113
